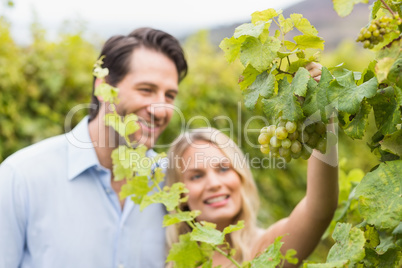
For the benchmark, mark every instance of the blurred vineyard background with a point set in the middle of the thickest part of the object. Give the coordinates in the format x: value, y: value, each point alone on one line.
x: 42, y: 81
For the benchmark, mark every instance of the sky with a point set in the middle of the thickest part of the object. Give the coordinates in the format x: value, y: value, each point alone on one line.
x: 106, y: 18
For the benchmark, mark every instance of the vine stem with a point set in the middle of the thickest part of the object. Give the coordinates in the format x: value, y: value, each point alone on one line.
x: 387, y: 7
x: 227, y: 256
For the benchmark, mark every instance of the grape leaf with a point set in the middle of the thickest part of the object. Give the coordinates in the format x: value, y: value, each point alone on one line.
x: 121, y: 163
x: 231, y: 47
x: 316, y: 98
x: 249, y: 29
x: 138, y: 187
x: 285, y: 103
x: 271, y: 257
x: 344, y: 7
x: 232, y: 228
x: 357, y: 127
x: 379, y: 193
x: 349, y: 244
x: 348, y: 96
x: 264, y: 85
x: 258, y: 54
x: 383, y: 67
x: 303, y: 25
x: 248, y: 77
x: 395, y: 72
x: 207, y: 234
x: 286, y: 24
x: 392, y: 143
x: 125, y: 127
x: 170, y: 198
x: 372, y: 237
x: 170, y: 219
x: 158, y: 174
x: 386, y: 110
x: 309, y: 41
x: 186, y: 253
x: 390, y: 258
x: 299, y: 82
x: 265, y: 15
x: 375, y: 7
x: 107, y: 93
x: 334, y: 264
x: 387, y: 242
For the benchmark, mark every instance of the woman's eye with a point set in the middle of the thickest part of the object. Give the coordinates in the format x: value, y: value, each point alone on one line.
x: 195, y: 177
x: 224, y: 169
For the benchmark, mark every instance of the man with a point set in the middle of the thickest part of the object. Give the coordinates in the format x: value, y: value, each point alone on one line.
x: 59, y: 204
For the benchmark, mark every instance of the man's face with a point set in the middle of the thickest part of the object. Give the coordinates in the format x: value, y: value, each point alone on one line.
x: 149, y: 91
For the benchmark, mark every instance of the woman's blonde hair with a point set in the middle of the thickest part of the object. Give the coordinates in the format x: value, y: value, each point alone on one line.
x: 250, y: 202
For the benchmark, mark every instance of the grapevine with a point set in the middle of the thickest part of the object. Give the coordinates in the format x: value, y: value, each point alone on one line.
x: 298, y: 109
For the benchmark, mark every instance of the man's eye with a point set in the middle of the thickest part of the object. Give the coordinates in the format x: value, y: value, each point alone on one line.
x: 171, y: 97
x: 148, y: 90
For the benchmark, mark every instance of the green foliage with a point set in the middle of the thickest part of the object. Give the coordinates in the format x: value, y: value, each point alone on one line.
x: 40, y: 84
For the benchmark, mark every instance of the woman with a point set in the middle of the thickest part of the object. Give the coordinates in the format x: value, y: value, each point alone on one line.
x: 222, y: 188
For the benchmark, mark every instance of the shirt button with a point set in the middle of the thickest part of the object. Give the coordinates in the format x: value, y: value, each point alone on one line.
x: 120, y: 266
x: 109, y: 191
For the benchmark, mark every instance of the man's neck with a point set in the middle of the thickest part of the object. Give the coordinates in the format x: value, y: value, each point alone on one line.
x: 99, y: 134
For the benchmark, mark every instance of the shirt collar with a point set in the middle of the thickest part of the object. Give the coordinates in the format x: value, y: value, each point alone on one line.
x: 81, y: 152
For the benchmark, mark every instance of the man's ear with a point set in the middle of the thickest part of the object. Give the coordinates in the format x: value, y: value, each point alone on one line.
x: 98, y: 81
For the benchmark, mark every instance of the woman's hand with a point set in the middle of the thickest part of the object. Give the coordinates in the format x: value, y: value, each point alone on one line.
x: 315, y: 70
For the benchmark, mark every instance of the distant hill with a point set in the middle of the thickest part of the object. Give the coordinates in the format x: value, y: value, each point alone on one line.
x: 321, y: 14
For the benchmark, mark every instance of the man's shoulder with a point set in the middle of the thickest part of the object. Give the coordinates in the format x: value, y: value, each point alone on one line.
x: 50, y: 148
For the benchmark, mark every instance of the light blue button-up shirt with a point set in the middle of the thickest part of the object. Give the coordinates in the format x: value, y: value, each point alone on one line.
x: 58, y: 210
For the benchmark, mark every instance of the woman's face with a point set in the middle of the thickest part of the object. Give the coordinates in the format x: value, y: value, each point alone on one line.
x: 213, y: 184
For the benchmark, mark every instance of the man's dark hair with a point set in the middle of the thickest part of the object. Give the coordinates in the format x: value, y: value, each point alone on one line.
x: 117, y: 53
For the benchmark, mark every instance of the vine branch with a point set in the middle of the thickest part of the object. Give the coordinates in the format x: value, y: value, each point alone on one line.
x: 387, y: 7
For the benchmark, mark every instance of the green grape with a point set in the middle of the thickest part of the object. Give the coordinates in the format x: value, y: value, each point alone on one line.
x: 300, y: 126
x: 273, y: 149
x: 281, y: 133
x: 275, y: 142
x: 290, y: 127
x: 372, y: 27
x: 264, y: 129
x: 274, y: 154
x: 286, y: 143
x: 282, y: 123
x: 376, y: 33
x: 271, y: 130
x: 310, y: 128
x: 296, y: 147
x: 322, y: 145
x: 264, y: 138
x: 367, y: 35
x: 264, y: 149
x: 284, y: 152
x: 305, y: 154
x: 304, y: 137
x: 296, y: 155
x: 293, y: 136
x: 313, y: 140
x: 320, y: 128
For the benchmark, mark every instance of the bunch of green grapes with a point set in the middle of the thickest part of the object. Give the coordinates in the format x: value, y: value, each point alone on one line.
x: 289, y: 139
x: 374, y: 33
